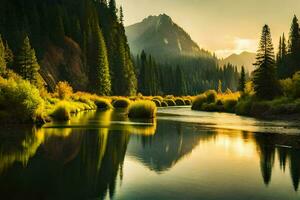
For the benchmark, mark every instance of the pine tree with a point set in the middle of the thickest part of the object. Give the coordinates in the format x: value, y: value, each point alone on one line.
x: 9, y: 56
x: 242, y: 80
x: 294, y: 37
x: 283, y: 67
x: 2, y: 57
x: 278, y: 56
x: 283, y: 47
x: 220, y: 87
x: 103, y: 80
x: 141, y: 77
x: 180, y: 88
x: 26, y: 62
x: 121, y: 15
x: 265, y: 80
x: 294, y: 47
x: 99, y: 76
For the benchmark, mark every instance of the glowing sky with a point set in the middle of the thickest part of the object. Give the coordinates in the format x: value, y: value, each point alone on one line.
x: 221, y: 26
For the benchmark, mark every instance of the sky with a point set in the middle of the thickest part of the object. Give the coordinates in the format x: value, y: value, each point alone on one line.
x: 220, y: 26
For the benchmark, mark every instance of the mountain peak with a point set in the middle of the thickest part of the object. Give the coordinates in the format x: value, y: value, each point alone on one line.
x: 245, y: 59
x: 160, y: 36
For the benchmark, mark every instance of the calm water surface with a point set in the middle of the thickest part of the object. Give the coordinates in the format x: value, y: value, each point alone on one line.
x: 181, y: 155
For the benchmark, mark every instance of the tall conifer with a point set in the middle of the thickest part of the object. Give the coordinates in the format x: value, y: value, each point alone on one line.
x: 265, y: 80
x: 26, y: 62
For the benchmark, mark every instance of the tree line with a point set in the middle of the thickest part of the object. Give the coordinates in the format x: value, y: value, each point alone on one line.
x: 29, y: 26
x: 270, y: 68
x: 183, y: 75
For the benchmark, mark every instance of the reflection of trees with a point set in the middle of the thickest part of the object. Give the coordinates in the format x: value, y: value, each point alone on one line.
x: 267, y: 155
x: 18, y: 145
x: 267, y: 143
x: 295, y: 167
x: 161, y: 151
x: 82, y: 164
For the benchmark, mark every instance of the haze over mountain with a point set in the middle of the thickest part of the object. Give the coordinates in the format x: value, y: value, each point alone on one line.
x: 245, y: 59
x: 161, y: 37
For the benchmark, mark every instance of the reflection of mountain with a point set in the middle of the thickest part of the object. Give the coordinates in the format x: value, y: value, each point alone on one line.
x: 160, y: 152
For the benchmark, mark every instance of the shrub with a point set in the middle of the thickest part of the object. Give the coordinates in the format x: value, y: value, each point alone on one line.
x: 296, y: 85
x: 287, y: 86
x: 229, y: 105
x: 102, y: 104
x: 169, y: 97
x: 90, y: 105
x: 61, y: 112
x: 19, y: 101
x: 63, y: 90
x: 259, y: 108
x: 211, y: 96
x: 170, y: 102
x: 187, y: 102
x: 142, y: 109
x: 121, y: 102
x: 243, y: 106
x: 198, y: 101
x: 164, y: 104
x: 158, y: 98
x: 157, y: 102
x: 179, y: 101
x: 211, y: 107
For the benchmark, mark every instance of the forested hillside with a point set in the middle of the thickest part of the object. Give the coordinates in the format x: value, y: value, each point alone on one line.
x: 80, y: 41
x: 168, y: 61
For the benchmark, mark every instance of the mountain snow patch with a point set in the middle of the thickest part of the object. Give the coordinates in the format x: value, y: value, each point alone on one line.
x: 179, y: 45
x: 166, y: 41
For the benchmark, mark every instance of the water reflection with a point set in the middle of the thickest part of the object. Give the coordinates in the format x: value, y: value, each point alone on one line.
x: 84, y: 158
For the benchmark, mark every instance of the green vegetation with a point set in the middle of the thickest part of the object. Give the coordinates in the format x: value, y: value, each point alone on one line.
x: 242, y: 80
x: 121, y: 102
x: 19, y: 101
x: 211, y: 101
x: 61, y: 112
x: 170, y: 102
x: 265, y: 81
x: 157, y: 102
x: 164, y: 104
x: 68, y: 40
x: 187, y: 102
x: 26, y: 62
x: 157, y: 78
x: 143, y: 109
x: 179, y: 101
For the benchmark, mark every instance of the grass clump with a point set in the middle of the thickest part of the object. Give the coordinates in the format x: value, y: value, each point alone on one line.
x: 187, y: 102
x: 159, y: 98
x: 199, y: 101
x: 102, y: 104
x: 121, y: 102
x: 179, y: 101
x: 211, y: 101
x: 61, y: 112
x: 170, y: 102
x: 164, y: 104
x: 144, y: 109
x: 211, y: 96
x: 157, y: 102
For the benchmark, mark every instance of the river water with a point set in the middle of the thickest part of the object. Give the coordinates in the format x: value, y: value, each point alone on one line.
x: 182, y: 154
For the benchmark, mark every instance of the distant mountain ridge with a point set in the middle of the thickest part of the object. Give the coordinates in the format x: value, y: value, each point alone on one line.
x: 161, y: 37
x: 245, y: 59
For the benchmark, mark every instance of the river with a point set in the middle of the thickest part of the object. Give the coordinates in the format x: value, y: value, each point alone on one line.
x: 183, y: 154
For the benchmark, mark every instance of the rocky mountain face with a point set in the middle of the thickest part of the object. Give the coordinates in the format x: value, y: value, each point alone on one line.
x: 161, y: 37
